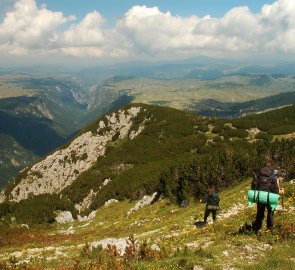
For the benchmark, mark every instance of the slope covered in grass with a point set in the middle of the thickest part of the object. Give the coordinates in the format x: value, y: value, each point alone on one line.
x: 166, y: 238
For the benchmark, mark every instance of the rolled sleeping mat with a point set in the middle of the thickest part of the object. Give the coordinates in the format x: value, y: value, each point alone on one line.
x: 263, y: 197
x: 272, y: 199
x: 252, y: 196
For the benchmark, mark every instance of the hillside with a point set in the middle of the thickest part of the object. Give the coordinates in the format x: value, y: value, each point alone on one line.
x: 58, y: 212
x: 141, y: 149
x: 166, y: 238
x: 214, y: 108
x: 13, y: 157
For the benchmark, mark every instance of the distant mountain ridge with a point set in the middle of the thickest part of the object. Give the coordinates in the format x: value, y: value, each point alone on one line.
x: 214, y: 108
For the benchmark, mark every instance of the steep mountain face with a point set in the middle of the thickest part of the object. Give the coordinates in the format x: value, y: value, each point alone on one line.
x: 46, y: 107
x: 13, y: 157
x: 61, y: 168
x: 58, y: 98
x: 27, y: 121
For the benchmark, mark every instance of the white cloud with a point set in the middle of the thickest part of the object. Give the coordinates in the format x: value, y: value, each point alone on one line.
x: 29, y: 28
x: 239, y: 30
x: 88, y: 32
x: 148, y: 32
x: 151, y: 30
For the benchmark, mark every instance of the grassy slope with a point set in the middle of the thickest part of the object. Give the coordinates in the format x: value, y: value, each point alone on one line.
x: 217, y: 246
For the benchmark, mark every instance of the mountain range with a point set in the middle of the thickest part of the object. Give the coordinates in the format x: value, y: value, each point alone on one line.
x: 55, y: 103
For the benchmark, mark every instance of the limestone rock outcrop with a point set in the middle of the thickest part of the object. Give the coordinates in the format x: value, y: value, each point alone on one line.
x: 146, y: 200
x: 111, y: 201
x: 64, y: 217
x: 87, y: 218
x: 120, y: 243
x: 61, y: 169
x: 90, y: 197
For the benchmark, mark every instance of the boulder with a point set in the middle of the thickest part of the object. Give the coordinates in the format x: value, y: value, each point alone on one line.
x: 146, y: 200
x: 25, y: 226
x: 155, y: 247
x: 111, y: 201
x: 87, y: 218
x: 119, y: 243
x: 64, y: 217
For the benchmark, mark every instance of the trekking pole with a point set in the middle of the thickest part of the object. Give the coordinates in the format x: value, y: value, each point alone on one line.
x: 281, y: 191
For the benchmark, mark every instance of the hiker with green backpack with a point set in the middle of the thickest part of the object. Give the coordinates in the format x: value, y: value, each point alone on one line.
x: 265, y: 192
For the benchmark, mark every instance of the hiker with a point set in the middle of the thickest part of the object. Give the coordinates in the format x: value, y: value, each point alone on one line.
x: 212, y: 204
x: 265, y: 180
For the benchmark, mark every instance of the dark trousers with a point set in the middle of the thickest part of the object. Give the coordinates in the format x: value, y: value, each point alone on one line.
x: 207, y: 213
x: 260, y: 217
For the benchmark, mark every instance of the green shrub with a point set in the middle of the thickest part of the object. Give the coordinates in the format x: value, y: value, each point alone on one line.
x: 263, y: 136
x: 280, y: 121
x: 41, y: 208
x: 221, y: 165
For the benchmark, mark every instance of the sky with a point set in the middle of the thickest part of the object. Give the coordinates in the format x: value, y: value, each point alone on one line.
x: 65, y: 32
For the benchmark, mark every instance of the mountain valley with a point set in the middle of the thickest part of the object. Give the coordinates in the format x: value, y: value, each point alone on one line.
x: 147, y: 135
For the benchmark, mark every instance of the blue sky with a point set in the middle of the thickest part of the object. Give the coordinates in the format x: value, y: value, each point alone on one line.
x: 67, y: 31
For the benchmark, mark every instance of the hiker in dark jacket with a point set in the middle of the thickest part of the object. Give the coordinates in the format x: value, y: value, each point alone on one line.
x: 265, y: 180
x: 212, y: 204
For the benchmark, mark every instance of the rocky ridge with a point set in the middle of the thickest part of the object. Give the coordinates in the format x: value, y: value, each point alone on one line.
x: 62, y: 168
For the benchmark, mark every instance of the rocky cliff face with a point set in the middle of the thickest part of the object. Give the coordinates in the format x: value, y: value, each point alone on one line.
x: 62, y: 168
x: 37, y: 108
